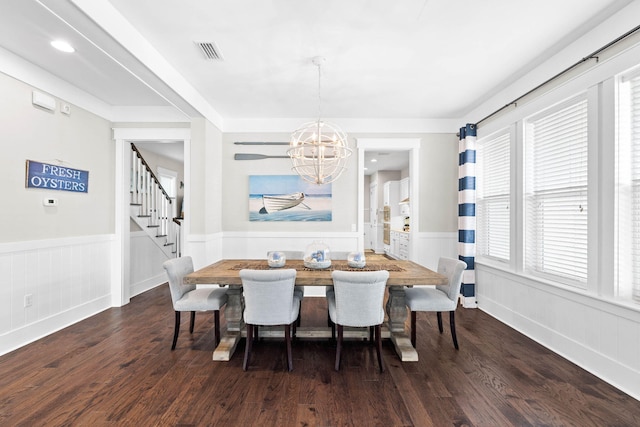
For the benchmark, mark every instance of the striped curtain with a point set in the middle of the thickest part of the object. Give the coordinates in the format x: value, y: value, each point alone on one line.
x: 467, y: 210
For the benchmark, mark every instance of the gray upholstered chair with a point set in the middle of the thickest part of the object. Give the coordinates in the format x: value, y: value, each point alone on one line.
x: 298, y: 290
x: 356, y: 301
x: 190, y: 298
x: 269, y: 300
x: 438, y: 299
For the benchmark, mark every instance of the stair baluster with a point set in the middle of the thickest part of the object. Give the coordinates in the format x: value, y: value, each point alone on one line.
x: 154, y: 204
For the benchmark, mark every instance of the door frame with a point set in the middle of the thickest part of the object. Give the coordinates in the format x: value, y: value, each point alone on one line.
x: 120, y: 277
x: 392, y: 144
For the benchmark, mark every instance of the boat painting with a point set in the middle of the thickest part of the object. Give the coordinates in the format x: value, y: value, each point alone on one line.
x: 288, y: 198
x: 279, y: 203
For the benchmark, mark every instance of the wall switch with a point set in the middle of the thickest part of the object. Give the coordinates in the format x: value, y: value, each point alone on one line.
x: 28, y: 300
x: 50, y: 201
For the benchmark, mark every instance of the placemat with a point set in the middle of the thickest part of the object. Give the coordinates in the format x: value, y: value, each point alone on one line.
x: 299, y: 265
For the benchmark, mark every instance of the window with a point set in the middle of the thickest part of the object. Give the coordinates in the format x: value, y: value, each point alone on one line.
x: 492, y: 197
x: 556, y: 193
x: 168, y: 179
x: 628, y: 188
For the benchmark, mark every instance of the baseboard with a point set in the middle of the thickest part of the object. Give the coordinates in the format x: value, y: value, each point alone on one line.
x: 46, y: 326
x: 147, y: 284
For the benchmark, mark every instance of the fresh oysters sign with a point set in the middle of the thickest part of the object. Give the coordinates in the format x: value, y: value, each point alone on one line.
x: 54, y: 177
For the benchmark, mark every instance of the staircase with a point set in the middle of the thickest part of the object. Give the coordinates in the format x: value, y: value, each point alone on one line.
x: 151, y: 207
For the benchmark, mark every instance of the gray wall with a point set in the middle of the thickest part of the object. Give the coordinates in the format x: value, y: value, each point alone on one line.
x: 80, y: 140
x: 438, y: 186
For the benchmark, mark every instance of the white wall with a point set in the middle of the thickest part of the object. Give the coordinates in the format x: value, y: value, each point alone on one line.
x: 591, y: 327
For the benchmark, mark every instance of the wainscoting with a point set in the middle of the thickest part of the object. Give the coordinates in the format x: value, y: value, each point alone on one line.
x: 64, y: 280
x: 146, y: 264
x: 600, y: 336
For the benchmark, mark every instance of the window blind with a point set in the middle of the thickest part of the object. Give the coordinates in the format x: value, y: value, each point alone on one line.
x: 628, y: 180
x: 556, y: 193
x: 493, y: 197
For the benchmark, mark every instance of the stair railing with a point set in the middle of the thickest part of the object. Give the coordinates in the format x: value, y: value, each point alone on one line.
x: 155, y: 203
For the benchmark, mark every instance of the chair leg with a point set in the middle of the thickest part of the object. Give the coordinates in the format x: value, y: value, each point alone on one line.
x: 452, y: 323
x: 439, y: 314
x: 216, y: 327
x: 193, y: 321
x: 176, y: 331
x: 247, y: 347
x: 333, y: 331
x: 379, y: 347
x: 371, y: 329
x: 339, y: 347
x: 287, y: 337
x: 413, y: 329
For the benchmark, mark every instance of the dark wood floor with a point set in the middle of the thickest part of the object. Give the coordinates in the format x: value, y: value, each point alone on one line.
x: 116, y: 368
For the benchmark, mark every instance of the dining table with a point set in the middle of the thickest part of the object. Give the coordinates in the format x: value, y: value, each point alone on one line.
x: 401, y: 273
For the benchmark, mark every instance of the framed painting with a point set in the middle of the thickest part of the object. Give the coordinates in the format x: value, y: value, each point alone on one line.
x: 288, y: 198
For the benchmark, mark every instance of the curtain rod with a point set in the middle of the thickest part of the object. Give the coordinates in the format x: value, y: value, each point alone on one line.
x: 566, y: 70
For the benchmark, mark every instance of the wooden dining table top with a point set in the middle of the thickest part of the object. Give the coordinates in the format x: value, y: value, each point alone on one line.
x: 401, y: 272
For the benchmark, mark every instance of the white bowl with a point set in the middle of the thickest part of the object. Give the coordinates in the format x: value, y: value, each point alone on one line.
x: 317, y: 264
x: 356, y: 264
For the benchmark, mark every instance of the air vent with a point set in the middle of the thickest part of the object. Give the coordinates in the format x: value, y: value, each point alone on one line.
x: 210, y: 51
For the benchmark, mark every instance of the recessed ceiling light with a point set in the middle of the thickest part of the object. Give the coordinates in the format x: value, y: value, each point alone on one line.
x: 374, y: 160
x: 63, y: 46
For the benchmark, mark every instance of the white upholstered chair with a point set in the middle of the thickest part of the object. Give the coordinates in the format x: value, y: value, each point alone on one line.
x: 189, y: 298
x: 269, y: 300
x: 438, y: 299
x: 356, y: 301
x: 298, y: 290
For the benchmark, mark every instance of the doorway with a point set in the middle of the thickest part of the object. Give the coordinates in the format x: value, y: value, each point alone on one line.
x: 403, y: 150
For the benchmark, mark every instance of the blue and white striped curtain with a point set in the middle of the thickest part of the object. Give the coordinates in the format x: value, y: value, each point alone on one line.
x: 467, y: 209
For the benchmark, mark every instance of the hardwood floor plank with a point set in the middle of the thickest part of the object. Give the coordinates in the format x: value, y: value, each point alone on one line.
x: 117, y: 368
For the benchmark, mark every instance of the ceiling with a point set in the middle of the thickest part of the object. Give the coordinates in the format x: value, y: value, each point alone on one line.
x: 424, y: 59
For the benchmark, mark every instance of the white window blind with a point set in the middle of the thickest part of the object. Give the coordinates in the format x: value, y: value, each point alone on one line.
x: 493, y: 197
x: 628, y: 188
x: 556, y: 193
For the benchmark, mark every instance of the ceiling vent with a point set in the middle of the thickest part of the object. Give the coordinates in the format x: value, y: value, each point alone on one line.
x: 210, y: 51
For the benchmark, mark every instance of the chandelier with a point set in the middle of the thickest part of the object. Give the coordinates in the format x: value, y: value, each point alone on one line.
x: 319, y: 149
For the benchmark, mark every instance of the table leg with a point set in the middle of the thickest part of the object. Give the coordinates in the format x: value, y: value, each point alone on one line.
x: 233, y: 316
x: 397, y: 313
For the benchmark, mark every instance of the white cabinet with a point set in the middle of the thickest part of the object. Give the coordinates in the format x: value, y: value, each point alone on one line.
x: 404, y: 188
x: 391, y: 195
x: 399, y: 245
x: 403, y: 245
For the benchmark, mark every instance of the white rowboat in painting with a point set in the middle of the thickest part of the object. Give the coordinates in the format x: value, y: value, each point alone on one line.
x: 282, y: 202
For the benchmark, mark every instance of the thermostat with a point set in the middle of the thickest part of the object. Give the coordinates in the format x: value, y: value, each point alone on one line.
x: 50, y: 201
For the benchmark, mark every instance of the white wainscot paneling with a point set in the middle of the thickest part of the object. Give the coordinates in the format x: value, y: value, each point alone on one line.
x: 66, y: 279
x: 431, y: 246
x: 146, y: 264
x: 601, y: 336
x: 255, y: 245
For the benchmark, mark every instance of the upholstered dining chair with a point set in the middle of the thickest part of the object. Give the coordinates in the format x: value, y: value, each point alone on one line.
x: 298, y: 290
x: 189, y: 298
x: 356, y: 301
x: 438, y: 299
x: 269, y: 300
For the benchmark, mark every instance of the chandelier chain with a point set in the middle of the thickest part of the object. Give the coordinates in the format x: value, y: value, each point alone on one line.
x: 319, y: 92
